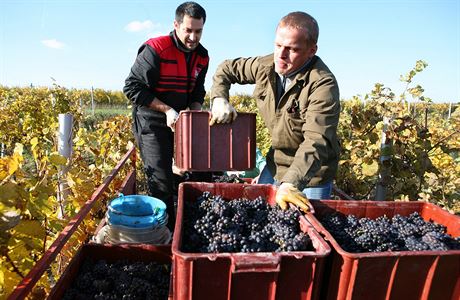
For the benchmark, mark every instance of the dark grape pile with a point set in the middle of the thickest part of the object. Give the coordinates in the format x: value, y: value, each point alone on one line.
x: 232, y: 178
x: 213, y: 225
x: 120, y: 280
x: 399, y: 233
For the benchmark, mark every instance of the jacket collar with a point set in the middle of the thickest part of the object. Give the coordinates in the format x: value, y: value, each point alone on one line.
x: 178, y: 43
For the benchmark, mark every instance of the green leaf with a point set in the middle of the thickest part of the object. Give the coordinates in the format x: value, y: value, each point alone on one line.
x: 30, y: 228
x: 8, y: 193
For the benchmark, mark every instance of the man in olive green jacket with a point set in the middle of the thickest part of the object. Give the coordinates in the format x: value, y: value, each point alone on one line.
x: 298, y: 99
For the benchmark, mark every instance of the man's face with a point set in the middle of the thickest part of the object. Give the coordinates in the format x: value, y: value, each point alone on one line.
x: 189, y: 31
x: 291, y: 49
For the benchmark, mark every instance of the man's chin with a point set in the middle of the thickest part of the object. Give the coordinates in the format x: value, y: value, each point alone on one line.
x: 191, y: 46
x: 281, y: 71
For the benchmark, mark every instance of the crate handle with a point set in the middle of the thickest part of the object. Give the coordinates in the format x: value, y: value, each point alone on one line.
x: 256, y: 262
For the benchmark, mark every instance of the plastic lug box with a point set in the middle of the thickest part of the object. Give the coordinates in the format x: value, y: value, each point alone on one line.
x: 389, y: 275
x: 254, y: 276
x: 221, y: 147
x: 110, y: 253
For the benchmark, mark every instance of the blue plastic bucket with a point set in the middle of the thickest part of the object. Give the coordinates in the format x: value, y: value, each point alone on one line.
x: 137, y: 211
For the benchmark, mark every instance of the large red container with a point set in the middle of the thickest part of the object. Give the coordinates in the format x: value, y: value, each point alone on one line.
x: 110, y: 253
x: 254, y: 276
x: 221, y: 147
x: 389, y: 275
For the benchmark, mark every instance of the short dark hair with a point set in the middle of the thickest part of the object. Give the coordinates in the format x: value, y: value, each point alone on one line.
x: 191, y: 9
x: 302, y: 20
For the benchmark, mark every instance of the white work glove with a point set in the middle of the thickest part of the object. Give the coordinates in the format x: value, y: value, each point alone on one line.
x: 171, y: 118
x: 222, y: 111
x: 288, y: 193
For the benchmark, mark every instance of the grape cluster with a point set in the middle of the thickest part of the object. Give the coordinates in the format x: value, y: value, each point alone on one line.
x: 232, y: 178
x: 213, y: 225
x: 120, y: 280
x: 400, y: 233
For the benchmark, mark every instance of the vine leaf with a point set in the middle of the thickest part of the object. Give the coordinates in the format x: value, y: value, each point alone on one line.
x: 370, y: 169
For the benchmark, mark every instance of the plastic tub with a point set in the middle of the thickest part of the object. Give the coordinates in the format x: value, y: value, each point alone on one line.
x: 137, y: 211
x: 280, y: 275
x: 389, y: 275
x: 221, y: 147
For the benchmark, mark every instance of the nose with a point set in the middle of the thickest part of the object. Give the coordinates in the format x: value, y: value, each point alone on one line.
x: 192, y: 37
x: 283, y: 52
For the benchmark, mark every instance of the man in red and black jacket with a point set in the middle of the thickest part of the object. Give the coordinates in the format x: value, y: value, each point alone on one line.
x: 167, y: 77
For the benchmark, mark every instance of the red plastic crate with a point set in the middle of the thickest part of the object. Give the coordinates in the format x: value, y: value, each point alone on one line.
x: 269, y: 275
x: 389, y: 275
x: 221, y: 147
x: 110, y: 253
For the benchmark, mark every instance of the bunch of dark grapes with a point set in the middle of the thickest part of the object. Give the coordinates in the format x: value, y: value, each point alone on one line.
x: 120, y: 280
x: 213, y: 225
x: 400, y: 233
x: 232, y: 178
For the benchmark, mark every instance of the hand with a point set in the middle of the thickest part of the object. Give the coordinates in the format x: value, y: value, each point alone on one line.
x: 177, y: 171
x: 222, y: 111
x: 288, y: 193
x: 171, y: 118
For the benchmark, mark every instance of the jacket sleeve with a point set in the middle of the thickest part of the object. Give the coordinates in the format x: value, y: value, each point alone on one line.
x: 143, y: 77
x: 239, y: 70
x: 199, y: 91
x: 319, y: 129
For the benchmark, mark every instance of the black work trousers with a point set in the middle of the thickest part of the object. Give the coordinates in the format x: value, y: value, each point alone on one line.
x: 156, y: 145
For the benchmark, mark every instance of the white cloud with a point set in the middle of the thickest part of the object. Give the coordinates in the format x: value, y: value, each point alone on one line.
x: 136, y: 26
x: 55, y: 44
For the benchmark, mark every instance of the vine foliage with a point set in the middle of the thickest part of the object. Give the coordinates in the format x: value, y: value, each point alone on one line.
x: 29, y: 178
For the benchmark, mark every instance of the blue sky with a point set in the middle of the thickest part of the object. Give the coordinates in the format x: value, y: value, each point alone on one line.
x: 83, y: 43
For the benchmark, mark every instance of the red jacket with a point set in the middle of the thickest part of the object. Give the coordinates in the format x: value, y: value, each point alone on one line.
x: 162, y: 70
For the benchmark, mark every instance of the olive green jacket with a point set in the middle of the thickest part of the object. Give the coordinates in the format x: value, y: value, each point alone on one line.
x: 303, y: 128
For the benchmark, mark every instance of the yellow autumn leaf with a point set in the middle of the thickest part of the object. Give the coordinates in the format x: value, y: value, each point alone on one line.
x: 57, y: 159
x: 34, y: 142
x: 10, y: 280
x: 3, y: 169
x: 13, y: 166
x: 370, y: 169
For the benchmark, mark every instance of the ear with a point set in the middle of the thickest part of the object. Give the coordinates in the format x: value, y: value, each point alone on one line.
x: 313, y: 50
x: 176, y: 25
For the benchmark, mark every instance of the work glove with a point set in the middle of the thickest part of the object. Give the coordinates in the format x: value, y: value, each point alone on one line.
x: 288, y: 193
x: 171, y: 118
x: 222, y: 111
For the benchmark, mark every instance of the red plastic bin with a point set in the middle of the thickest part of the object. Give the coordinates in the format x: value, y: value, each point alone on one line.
x: 389, y: 275
x: 221, y: 147
x: 110, y: 253
x: 255, y: 276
